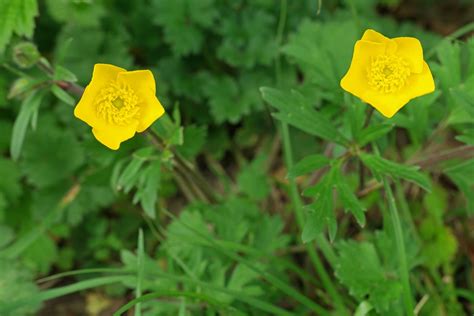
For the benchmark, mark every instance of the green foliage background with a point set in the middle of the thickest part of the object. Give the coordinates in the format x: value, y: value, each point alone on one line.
x: 219, y: 220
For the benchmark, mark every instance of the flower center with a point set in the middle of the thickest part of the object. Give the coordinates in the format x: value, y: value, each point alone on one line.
x: 117, y: 103
x: 388, y: 73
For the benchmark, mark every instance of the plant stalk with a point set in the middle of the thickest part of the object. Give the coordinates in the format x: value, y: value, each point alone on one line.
x: 403, y: 268
x: 294, y: 194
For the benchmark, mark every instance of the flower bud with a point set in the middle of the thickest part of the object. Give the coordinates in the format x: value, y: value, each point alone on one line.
x: 25, y: 54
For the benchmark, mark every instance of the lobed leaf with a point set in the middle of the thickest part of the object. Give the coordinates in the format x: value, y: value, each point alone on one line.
x: 307, y: 165
x: 294, y: 109
x: 379, y: 165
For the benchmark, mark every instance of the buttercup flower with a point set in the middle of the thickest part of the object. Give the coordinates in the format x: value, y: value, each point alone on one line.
x: 387, y: 73
x: 118, y: 103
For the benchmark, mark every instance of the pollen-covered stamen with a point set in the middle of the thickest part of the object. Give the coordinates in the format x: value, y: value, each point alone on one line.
x: 388, y: 73
x: 117, y: 103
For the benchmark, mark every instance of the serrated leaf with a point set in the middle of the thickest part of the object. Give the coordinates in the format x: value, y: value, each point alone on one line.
x: 349, y: 200
x: 63, y: 95
x: 461, y: 175
x: 320, y: 212
x: 439, y: 243
x: 29, y: 106
x: 465, y: 100
x: 359, y: 268
x: 17, y: 283
x: 183, y: 22
x: 307, y: 165
x: 383, y: 166
x: 148, y: 191
x: 260, y: 47
x: 240, y: 279
x: 225, y: 99
x: 467, y: 137
x: 194, y: 140
x: 295, y: 109
x: 64, y: 153
x: 16, y: 17
x: 252, y: 179
x: 129, y: 176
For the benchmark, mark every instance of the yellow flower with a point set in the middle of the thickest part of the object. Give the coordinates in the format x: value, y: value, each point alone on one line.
x: 118, y: 103
x: 387, y: 73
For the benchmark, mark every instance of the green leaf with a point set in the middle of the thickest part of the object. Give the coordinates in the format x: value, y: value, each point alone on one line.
x: 183, y: 22
x: 461, y: 175
x: 225, y: 99
x: 129, y: 176
x: 465, y: 100
x: 6, y: 235
x: 147, y: 192
x: 260, y: 47
x: 307, y: 165
x: 253, y: 181
x: 439, y: 243
x: 17, y: 283
x: 41, y: 254
x: 63, y: 95
x: 295, y: 109
x: 379, y: 165
x: 10, y: 185
x: 16, y: 17
x: 62, y: 149
x: 320, y: 212
x: 359, y: 268
x: 372, y: 133
x: 363, y: 309
x: 29, y: 106
x: 194, y: 140
x: 61, y: 73
x: 168, y: 130
x: 240, y: 279
x: 349, y: 200
x: 467, y: 137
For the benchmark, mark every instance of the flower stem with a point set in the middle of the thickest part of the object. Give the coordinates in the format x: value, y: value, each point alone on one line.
x: 397, y: 229
x: 294, y: 194
x: 298, y: 208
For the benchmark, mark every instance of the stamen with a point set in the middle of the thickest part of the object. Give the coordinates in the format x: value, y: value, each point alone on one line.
x: 117, y: 103
x: 388, y: 73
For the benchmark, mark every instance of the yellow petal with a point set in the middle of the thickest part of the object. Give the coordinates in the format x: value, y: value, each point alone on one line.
x: 84, y: 110
x: 102, y: 74
x: 386, y: 104
x: 419, y: 84
x: 150, y: 111
x: 355, y: 80
x: 374, y: 36
x: 113, y: 136
x: 141, y: 81
x: 389, y: 104
x: 410, y: 49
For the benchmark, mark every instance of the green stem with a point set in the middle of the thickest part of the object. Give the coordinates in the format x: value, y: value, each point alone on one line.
x: 294, y: 194
x: 298, y: 208
x: 397, y: 229
x: 140, y: 271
